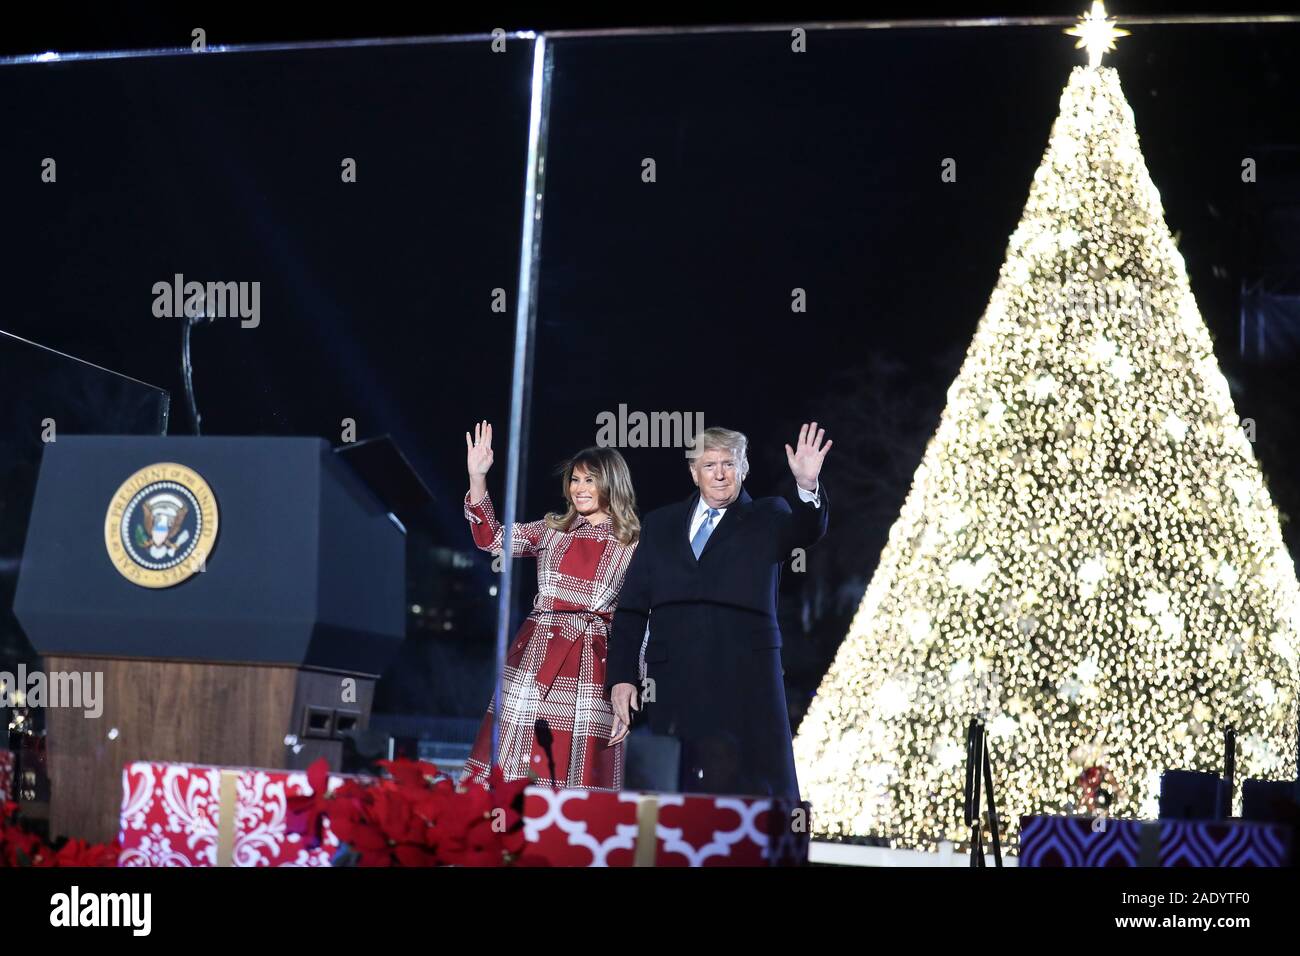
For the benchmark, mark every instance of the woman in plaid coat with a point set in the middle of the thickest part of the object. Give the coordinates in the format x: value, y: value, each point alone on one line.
x: 555, y: 669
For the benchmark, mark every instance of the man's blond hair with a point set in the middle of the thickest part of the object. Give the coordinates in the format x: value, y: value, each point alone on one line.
x: 722, y: 439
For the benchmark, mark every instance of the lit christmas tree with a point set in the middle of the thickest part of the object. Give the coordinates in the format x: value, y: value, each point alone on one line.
x: 1088, y: 557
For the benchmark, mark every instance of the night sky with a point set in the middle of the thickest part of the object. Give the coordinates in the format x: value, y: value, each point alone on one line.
x: 774, y: 171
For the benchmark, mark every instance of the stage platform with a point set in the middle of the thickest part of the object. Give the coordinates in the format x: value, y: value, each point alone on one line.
x: 849, y: 854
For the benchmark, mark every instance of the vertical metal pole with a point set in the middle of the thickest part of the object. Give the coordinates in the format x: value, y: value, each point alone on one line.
x: 994, y: 826
x: 522, y: 376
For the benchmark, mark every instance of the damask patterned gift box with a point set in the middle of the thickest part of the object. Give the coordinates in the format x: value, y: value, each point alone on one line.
x: 1078, y: 841
x: 603, y: 828
x: 188, y: 815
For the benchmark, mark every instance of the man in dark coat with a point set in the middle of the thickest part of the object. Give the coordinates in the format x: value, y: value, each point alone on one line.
x: 704, y: 578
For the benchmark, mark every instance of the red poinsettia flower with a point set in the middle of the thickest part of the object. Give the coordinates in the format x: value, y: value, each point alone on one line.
x: 81, y: 853
x: 484, y: 827
x: 8, y: 810
x: 509, y: 796
x: 393, y: 812
x: 20, y: 847
x: 430, y: 809
x: 471, y: 805
x: 410, y: 855
x: 350, y: 819
x: 410, y: 773
x: 304, y: 812
x: 371, y: 846
x: 383, y: 822
x: 416, y: 816
x: 351, y: 793
x: 475, y: 843
x: 25, y: 849
x: 345, y: 813
x: 433, y: 798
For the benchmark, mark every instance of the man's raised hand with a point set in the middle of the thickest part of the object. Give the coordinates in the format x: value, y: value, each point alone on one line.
x: 807, y: 456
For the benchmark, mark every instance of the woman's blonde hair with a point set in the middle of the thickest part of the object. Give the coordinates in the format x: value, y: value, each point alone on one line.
x: 613, y: 486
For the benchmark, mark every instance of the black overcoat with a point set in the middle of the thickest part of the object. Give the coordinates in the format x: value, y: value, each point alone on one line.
x: 714, y: 655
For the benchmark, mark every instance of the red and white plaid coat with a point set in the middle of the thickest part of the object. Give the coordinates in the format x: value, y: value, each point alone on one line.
x: 555, y: 669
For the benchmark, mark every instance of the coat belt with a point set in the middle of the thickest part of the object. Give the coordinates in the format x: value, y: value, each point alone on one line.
x: 579, y: 628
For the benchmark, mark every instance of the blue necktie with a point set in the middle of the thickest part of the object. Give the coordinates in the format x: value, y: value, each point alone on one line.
x: 702, y: 536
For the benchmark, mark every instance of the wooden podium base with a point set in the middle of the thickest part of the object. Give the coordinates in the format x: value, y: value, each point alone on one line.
x: 189, y: 712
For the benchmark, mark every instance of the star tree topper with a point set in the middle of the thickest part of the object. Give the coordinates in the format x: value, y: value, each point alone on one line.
x: 1096, y: 33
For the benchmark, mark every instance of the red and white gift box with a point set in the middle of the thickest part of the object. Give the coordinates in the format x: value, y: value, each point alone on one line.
x: 6, y: 775
x: 176, y: 814
x: 629, y: 828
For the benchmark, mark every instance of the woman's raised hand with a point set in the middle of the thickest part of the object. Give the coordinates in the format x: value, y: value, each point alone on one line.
x: 478, y: 449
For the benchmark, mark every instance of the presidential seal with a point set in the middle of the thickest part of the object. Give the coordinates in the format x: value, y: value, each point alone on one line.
x: 161, y: 525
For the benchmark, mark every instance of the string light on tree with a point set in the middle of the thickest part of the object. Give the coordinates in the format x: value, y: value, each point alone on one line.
x: 1087, y: 550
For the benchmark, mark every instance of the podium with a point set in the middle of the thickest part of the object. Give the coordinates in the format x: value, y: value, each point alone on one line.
x: 235, y: 598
